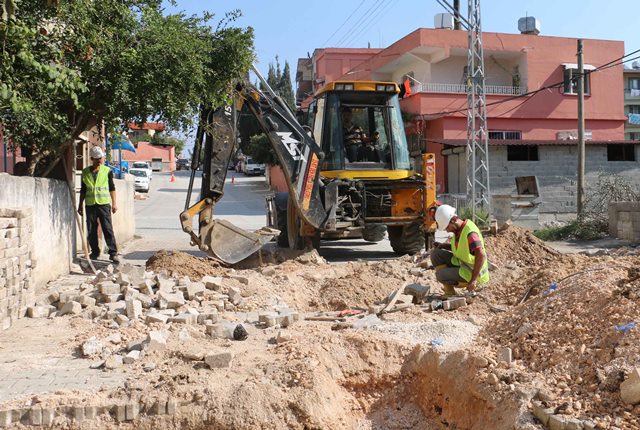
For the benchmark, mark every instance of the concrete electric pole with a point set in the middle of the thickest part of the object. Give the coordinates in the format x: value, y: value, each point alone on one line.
x: 581, y: 148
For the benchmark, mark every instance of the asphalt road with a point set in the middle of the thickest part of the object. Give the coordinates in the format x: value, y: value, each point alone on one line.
x: 158, y: 226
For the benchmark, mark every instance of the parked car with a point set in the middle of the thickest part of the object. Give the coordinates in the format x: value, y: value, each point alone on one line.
x: 253, y: 168
x: 142, y: 179
x: 144, y: 165
x: 183, y: 164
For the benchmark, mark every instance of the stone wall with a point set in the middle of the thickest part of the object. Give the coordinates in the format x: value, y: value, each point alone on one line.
x: 624, y: 220
x: 17, y: 288
x: 53, y: 221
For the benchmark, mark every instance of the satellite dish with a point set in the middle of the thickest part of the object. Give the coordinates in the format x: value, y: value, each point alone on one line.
x: 635, y: 65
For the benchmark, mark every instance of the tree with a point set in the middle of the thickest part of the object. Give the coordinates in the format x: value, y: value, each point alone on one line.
x: 285, y: 87
x: 67, y: 66
x: 177, y: 143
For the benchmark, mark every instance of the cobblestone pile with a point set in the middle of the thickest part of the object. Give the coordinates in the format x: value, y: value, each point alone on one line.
x: 17, y: 288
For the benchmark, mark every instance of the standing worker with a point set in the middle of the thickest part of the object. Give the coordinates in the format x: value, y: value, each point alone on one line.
x: 463, y: 262
x: 98, y: 192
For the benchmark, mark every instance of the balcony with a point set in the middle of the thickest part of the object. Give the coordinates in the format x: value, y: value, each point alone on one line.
x: 500, y: 90
x: 631, y: 93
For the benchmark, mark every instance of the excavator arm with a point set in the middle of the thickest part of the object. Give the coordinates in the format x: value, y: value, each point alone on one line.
x: 297, y: 152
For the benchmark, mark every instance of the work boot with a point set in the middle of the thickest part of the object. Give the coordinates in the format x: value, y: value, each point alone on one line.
x: 449, y: 290
x: 94, y: 256
x: 114, y: 258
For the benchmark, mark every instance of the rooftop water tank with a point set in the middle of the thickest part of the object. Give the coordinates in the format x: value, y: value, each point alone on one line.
x: 529, y: 25
x: 443, y: 20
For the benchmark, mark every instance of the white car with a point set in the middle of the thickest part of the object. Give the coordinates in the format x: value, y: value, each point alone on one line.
x: 142, y: 179
x: 253, y: 168
x: 144, y: 165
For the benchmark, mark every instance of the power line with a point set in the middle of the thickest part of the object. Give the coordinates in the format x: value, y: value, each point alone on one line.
x: 362, y: 18
x: 605, y: 66
x: 345, y: 21
x: 374, y: 19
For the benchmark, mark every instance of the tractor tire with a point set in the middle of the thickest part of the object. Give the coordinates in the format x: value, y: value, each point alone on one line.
x: 282, y: 200
x: 406, y: 239
x: 374, y: 232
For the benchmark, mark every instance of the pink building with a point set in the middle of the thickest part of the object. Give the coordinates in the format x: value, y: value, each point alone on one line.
x: 161, y: 157
x: 531, y: 135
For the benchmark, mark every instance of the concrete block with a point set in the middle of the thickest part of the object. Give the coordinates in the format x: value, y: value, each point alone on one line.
x: 234, y: 295
x: 165, y: 285
x: 208, y: 316
x: 78, y: 413
x: 146, y: 287
x: 630, y: 388
x: 122, y: 279
x: 160, y: 407
x: 117, y: 306
x: 72, y: 308
x: 133, y: 308
x: 268, y: 319
x: 47, y: 416
x: 184, y: 318
x: 194, y: 290
x: 170, y: 300
x: 112, y: 298
x: 86, y: 301
x: 132, y: 411
x: 122, y: 319
x: 172, y: 406
x: 5, y: 417
x: 41, y: 311
x: 109, y: 288
x: 156, y: 318
x: 90, y: 412
x: 219, y: 361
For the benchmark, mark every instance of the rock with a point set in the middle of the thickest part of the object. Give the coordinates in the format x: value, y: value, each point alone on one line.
x: 219, y: 361
x: 574, y: 424
x: 122, y: 319
x: 557, y: 422
x: 148, y: 367
x: 92, y: 347
x: 234, y: 296
x: 184, y: 335
x: 131, y: 357
x: 541, y: 413
x: 524, y: 329
x: 505, y: 355
x: 212, y: 282
x: 492, y: 379
x: 156, y: 340
x: 240, y: 333
x: 630, y: 388
x: 134, y: 308
x: 545, y: 395
x: 481, y: 362
x: 73, y: 308
x: 455, y: 303
x: 114, y: 338
x: 113, y: 361
x: 268, y: 271
x: 242, y: 279
x: 136, y: 345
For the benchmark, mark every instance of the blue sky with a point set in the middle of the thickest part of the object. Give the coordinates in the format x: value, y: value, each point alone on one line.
x: 290, y: 29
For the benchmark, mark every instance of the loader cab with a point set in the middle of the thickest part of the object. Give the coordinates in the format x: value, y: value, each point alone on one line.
x: 359, y: 128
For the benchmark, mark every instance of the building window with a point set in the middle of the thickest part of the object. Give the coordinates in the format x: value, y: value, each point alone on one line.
x: 621, y: 152
x: 634, y: 83
x: 634, y: 108
x: 634, y: 136
x: 571, y: 76
x: 505, y: 135
x: 522, y: 153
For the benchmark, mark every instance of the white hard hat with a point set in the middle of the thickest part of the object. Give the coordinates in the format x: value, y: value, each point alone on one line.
x: 96, y: 152
x: 444, y: 213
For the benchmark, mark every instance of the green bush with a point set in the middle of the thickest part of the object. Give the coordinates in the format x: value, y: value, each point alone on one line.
x: 576, y: 229
x: 482, y: 216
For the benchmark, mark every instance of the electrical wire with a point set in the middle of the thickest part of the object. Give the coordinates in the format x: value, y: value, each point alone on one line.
x: 374, y: 19
x: 362, y: 19
x: 345, y: 21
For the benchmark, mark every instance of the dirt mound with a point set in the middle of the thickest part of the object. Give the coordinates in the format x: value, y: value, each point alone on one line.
x: 178, y: 264
x: 577, y: 338
x: 519, y: 247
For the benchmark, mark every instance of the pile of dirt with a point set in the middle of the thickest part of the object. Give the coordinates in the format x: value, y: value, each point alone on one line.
x: 579, y: 338
x: 518, y: 246
x: 177, y: 264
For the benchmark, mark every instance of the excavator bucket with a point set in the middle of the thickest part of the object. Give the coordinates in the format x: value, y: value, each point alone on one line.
x: 232, y: 244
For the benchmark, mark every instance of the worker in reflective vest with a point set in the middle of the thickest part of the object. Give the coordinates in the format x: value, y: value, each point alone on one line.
x: 98, y: 193
x: 463, y: 262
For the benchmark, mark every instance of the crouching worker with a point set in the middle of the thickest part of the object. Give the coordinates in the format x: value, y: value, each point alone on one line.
x: 462, y: 263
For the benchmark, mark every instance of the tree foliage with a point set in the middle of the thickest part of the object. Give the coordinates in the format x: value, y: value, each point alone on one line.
x: 67, y: 66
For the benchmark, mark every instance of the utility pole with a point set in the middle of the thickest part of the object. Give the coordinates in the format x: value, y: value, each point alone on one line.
x: 456, y: 14
x: 478, y: 189
x: 581, y: 148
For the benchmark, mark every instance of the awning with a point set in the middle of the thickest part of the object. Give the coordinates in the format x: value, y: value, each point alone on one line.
x: 125, y: 145
x: 575, y: 66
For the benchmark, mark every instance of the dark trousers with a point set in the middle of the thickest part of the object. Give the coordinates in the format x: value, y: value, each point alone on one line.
x: 102, y: 213
x: 446, y: 272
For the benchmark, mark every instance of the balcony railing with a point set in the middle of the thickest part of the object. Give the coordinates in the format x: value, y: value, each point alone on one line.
x: 631, y: 93
x: 433, y: 87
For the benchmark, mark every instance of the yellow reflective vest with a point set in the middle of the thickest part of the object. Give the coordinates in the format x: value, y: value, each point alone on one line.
x: 98, y: 189
x: 465, y: 259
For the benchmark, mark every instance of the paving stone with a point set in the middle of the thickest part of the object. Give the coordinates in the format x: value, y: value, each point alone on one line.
x: 92, y: 347
x: 160, y: 407
x: 47, y: 416
x: 219, y: 361
x: 78, y: 413
x: 505, y: 355
x: 90, y: 412
x: 156, y: 318
x: 72, y: 308
x: 630, y: 388
x: 156, y: 340
x: 35, y: 416
x: 40, y: 311
x: 172, y: 405
x: 134, y: 308
x: 167, y: 312
x: 108, y: 288
x: 165, y: 285
x: 268, y: 319
x: 147, y: 287
x: 212, y: 282
x: 123, y: 279
x: 53, y: 297
x: 120, y: 412
x: 454, y: 303
x: 194, y: 290
x: 132, y: 411
x: 119, y: 305
x: 184, y: 318
x: 131, y: 357
x: 170, y: 300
